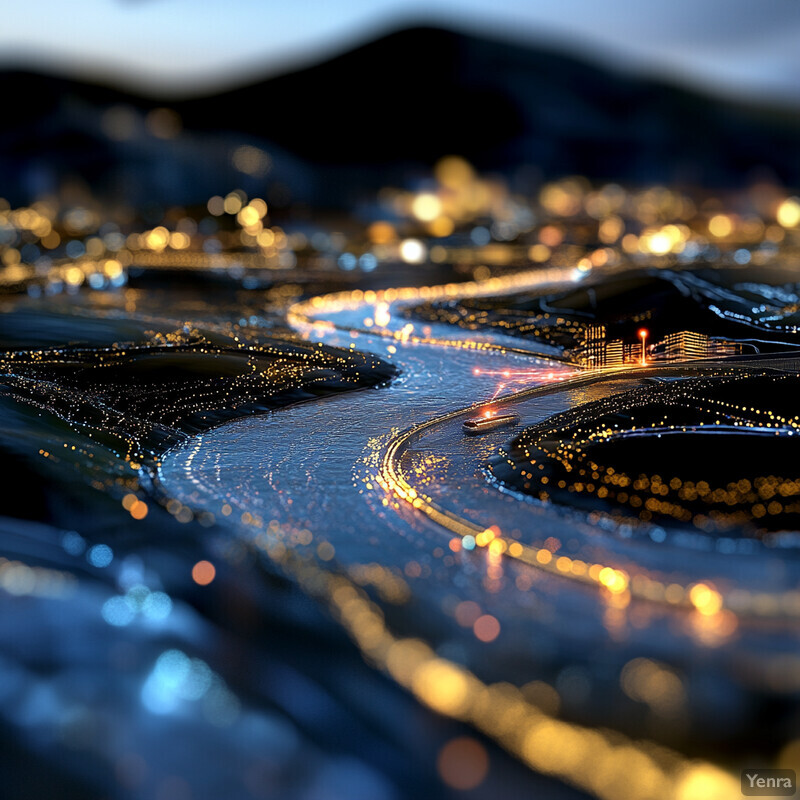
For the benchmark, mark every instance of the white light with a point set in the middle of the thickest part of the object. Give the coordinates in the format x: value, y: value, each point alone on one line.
x: 412, y: 251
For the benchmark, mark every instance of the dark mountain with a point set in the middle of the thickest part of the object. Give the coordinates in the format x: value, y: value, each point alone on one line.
x: 393, y: 106
x: 417, y: 94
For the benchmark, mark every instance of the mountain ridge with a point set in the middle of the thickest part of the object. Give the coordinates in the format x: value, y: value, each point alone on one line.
x: 392, y: 106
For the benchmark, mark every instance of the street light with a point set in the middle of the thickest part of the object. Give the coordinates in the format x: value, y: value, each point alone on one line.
x: 643, y: 334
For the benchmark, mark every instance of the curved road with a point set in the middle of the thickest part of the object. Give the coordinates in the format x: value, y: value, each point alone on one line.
x: 385, y: 477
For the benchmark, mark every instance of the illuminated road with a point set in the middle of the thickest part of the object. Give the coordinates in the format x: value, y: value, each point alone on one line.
x: 386, y: 477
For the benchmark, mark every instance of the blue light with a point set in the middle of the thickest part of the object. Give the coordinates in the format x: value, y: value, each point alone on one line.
x: 117, y: 611
x: 100, y: 555
x: 347, y: 261
x: 480, y: 236
x: 368, y: 262
x: 73, y: 543
x: 157, y: 606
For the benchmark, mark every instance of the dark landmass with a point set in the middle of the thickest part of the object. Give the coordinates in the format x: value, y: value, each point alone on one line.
x: 716, y: 453
x: 718, y: 303
x: 98, y: 412
x: 334, y: 136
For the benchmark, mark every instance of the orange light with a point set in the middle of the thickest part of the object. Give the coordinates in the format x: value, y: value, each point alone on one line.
x: 463, y: 763
x: 203, y: 572
x: 486, y: 628
x: 643, y: 334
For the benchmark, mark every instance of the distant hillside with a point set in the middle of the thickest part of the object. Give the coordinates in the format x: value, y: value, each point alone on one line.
x: 343, y: 127
x: 419, y: 93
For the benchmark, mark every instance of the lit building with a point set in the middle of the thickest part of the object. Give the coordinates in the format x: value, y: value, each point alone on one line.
x: 615, y: 353
x: 685, y: 344
x: 632, y: 352
x: 594, y: 346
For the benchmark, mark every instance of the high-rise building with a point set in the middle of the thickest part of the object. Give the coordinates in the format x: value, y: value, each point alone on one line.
x: 685, y: 344
x: 594, y: 346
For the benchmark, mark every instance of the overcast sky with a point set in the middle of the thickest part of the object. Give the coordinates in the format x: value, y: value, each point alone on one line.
x: 746, y: 47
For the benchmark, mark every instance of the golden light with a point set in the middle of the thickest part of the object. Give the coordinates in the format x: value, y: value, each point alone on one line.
x: 441, y: 227
x: 112, y: 268
x: 705, y: 782
x: 539, y: 253
x: 266, y: 238
x: 216, y: 206
x: 426, y: 207
x: 382, y: 316
x: 630, y: 243
x: 453, y: 172
x: 260, y: 206
x: 156, y: 239
x: 74, y: 276
x: 51, y: 241
x: 381, y: 232
x: 720, y: 226
x: 443, y: 686
x: 563, y: 199
x: 179, y: 240
x: 232, y: 203
x: 610, y: 230
x: 248, y: 216
x: 659, y: 243
x: 705, y: 599
x: 789, y: 212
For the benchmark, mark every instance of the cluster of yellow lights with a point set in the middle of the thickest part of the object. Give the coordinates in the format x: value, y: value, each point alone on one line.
x: 173, y: 244
x: 655, y: 223
x: 309, y: 316
x: 666, y: 220
x: 739, y: 502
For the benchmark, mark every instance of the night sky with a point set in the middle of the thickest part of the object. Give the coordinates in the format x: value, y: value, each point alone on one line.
x: 735, y: 47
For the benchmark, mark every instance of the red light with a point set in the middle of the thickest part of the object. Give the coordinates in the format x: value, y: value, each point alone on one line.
x: 643, y: 333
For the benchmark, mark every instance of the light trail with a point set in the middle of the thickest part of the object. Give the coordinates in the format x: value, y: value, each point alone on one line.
x: 447, y: 687
x: 622, y: 583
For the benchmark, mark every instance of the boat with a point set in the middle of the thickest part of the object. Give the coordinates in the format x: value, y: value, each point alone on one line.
x: 484, y: 424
